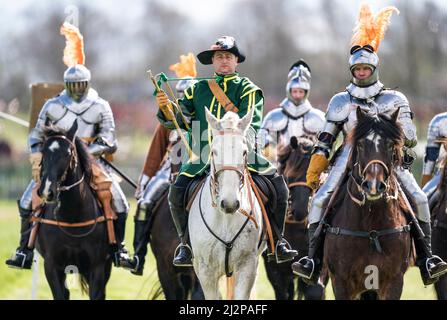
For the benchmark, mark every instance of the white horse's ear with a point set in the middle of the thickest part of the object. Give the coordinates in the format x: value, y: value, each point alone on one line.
x: 212, y: 120
x: 246, y: 120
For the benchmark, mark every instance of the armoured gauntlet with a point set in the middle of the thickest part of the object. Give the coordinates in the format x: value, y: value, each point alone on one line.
x: 35, y: 159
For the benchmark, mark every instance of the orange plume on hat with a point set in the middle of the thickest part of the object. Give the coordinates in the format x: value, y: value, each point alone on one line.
x: 74, y: 45
x: 186, y: 67
x: 370, y: 29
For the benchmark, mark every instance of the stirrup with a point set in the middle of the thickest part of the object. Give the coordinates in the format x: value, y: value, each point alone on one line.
x: 438, y: 260
x: 23, y: 257
x: 288, y: 246
x: 296, y: 268
x: 178, y: 249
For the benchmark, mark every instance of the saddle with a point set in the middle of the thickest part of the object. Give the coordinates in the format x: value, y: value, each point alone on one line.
x: 266, y: 190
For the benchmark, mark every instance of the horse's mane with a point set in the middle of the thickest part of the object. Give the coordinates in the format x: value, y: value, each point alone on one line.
x: 84, y: 158
x: 383, y: 125
x: 292, y: 156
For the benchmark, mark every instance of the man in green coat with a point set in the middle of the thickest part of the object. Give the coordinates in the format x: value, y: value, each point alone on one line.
x: 224, y: 55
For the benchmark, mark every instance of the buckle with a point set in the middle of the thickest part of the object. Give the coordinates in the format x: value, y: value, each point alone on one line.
x: 373, y: 234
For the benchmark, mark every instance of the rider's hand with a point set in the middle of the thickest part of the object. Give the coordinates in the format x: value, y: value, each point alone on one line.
x: 142, y: 183
x: 162, y: 99
x: 318, y: 163
x: 35, y: 159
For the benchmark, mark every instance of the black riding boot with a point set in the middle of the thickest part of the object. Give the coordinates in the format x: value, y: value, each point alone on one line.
x: 120, y: 256
x: 140, y: 240
x: 23, y: 257
x: 282, y: 248
x: 309, y: 267
x: 431, y: 267
x: 183, y: 253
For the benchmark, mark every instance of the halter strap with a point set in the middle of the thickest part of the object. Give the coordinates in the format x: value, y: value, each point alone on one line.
x: 383, y: 164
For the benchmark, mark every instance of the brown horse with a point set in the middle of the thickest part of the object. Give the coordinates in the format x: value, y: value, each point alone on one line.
x: 439, y: 229
x: 368, y: 245
x: 177, y: 283
x: 293, y: 162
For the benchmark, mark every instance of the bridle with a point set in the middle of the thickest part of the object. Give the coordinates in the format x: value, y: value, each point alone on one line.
x: 362, y: 173
x: 72, y: 165
x: 216, y: 170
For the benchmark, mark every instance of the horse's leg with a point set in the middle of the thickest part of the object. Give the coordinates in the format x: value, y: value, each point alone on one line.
x: 169, y: 279
x: 278, y: 280
x: 441, y: 288
x: 56, y: 280
x: 209, y: 280
x: 340, y: 288
x: 393, y: 290
x: 314, y: 292
x: 97, y: 283
x: 245, y: 276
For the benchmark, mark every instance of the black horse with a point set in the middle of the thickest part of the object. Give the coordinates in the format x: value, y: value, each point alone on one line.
x: 293, y: 162
x: 68, y: 198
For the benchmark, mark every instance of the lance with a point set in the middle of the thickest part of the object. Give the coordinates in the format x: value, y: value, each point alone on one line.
x: 169, y: 114
x: 24, y: 123
x: 14, y: 119
x: 122, y: 174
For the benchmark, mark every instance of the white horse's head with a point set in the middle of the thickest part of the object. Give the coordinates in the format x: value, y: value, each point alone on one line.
x: 228, y: 158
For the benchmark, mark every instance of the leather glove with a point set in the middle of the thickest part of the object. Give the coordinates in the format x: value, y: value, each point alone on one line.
x: 35, y: 159
x: 318, y: 163
x: 162, y: 99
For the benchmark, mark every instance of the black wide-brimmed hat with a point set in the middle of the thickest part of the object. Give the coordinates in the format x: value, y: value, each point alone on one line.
x: 224, y: 43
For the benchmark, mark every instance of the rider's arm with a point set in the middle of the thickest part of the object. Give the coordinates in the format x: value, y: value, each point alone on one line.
x: 337, y: 113
x: 406, y: 119
x: 432, y: 149
x: 105, y: 141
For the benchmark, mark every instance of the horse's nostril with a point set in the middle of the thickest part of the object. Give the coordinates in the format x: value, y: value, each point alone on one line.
x: 237, y: 204
x: 366, y: 185
x: 381, y: 187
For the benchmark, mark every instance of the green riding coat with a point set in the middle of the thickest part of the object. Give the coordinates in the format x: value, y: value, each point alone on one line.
x: 244, y: 94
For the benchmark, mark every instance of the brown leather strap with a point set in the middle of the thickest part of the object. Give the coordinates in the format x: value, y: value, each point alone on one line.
x: 221, y: 96
x: 66, y: 224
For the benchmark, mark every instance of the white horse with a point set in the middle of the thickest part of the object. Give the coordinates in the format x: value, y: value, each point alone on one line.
x: 225, y: 241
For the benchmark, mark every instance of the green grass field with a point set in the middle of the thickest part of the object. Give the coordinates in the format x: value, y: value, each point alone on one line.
x: 17, y: 284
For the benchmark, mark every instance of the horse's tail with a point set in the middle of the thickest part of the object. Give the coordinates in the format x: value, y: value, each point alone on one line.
x: 230, y: 288
x: 83, y: 284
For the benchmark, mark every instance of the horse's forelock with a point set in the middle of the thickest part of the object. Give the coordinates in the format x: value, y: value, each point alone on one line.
x: 291, y: 159
x: 381, y: 124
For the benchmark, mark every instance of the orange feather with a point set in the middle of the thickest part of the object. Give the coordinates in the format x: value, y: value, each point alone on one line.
x: 370, y: 29
x: 186, y: 67
x: 74, y: 45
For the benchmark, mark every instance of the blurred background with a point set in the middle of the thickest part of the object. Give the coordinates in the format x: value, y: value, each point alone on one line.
x: 123, y: 40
